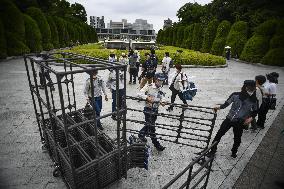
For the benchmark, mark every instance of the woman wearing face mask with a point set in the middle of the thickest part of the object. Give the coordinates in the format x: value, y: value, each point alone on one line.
x: 269, y: 91
x: 243, y: 110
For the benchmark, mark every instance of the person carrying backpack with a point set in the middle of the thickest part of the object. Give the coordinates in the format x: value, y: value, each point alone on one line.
x: 177, y: 85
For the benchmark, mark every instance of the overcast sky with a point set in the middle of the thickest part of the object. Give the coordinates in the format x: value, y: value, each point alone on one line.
x: 154, y: 11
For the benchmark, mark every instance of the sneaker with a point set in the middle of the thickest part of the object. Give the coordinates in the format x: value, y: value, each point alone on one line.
x: 134, y: 82
x: 142, y: 138
x: 130, y: 82
x: 41, y: 87
x: 233, y: 155
x: 160, y: 148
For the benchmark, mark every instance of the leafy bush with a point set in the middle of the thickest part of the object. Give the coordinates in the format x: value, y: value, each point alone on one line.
x: 14, y: 28
x: 209, y: 36
x: 267, y: 28
x: 54, y: 32
x: 237, y: 37
x: 43, y: 25
x: 188, y: 57
x: 197, y: 37
x: 33, y: 35
x: 258, y: 44
x: 274, y: 57
x: 3, y: 45
x: 255, y: 48
x: 220, y: 39
x: 277, y: 40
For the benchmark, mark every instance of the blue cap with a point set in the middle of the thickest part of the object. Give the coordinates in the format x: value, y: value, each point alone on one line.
x: 160, y: 76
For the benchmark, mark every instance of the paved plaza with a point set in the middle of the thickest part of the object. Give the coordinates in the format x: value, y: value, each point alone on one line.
x: 24, y: 165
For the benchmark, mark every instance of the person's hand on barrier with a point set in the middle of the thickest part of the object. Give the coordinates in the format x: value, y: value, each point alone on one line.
x: 215, y: 109
x: 106, y: 98
x: 163, y: 103
x: 248, y: 121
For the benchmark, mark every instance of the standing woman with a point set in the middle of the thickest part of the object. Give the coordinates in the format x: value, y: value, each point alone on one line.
x: 177, y: 85
x: 270, y: 89
x: 166, y: 66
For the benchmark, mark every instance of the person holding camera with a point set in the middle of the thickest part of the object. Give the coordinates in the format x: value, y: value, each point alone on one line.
x: 99, y: 87
x: 243, y: 111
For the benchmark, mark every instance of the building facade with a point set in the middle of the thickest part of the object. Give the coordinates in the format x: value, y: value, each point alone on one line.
x: 97, y: 22
x: 139, y: 30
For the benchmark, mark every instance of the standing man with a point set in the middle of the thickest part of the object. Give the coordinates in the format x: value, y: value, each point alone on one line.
x: 154, y: 96
x: 148, y: 69
x: 96, y: 102
x: 166, y: 66
x: 243, y: 111
x: 132, y: 66
x: 112, y: 84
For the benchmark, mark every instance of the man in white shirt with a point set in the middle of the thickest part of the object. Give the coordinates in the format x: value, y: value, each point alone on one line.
x: 112, y: 85
x: 96, y: 102
x: 166, y: 66
x: 112, y: 57
x: 154, y: 96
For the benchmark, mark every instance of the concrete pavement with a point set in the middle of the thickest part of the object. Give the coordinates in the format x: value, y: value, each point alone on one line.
x: 24, y: 165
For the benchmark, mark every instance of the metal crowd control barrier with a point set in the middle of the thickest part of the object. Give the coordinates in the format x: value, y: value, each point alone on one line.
x: 86, y: 157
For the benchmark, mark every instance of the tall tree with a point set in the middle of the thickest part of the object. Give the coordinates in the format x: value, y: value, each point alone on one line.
x: 78, y: 11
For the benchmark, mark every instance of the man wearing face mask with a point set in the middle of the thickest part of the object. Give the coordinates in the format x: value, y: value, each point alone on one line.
x: 154, y: 96
x: 244, y: 109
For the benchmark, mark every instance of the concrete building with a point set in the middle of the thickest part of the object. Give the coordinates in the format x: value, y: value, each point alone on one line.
x: 139, y: 30
x: 97, y: 22
x: 167, y: 23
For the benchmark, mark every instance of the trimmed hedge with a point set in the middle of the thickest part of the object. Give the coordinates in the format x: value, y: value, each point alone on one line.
x: 174, y: 36
x: 274, y: 57
x: 54, y: 32
x: 188, y: 57
x: 188, y: 35
x: 220, y: 39
x: 42, y: 23
x: 258, y: 44
x: 237, y: 37
x: 62, y: 31
x: 209, y: 35
x: 33, y: 35
x: 197, y: 37
x: 3, y: 44
x: 14, y: 27
x: 255, y: 48
x: 277, y: 40
x: 180, y: 36
x: 170, y: 36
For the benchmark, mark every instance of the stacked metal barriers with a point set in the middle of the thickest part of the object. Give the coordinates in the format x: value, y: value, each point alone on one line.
x: 84, y: 156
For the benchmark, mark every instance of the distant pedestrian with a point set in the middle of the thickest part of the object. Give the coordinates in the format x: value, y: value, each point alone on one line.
x: 123, y: 59
x: 44, y: 73
x: 96, y: 102
x: 242, y: 112
x: 166, y: 66
x: 112, y: 57
x: 148, y: 69
x: 177, y: 85
x: 259, y: 81
x: 137, y: 55
x: 269, y: 98
x: 132, y: 66
x: 112, y: 85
